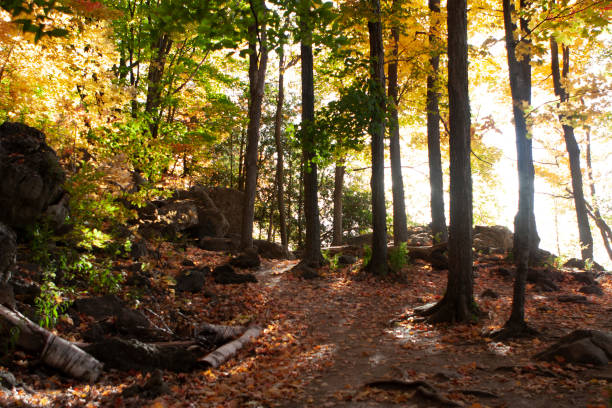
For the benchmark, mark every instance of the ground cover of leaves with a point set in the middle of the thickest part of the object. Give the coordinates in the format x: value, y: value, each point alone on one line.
x: 325, y: 339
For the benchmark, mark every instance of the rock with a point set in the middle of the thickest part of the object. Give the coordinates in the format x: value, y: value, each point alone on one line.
x: 543, y: 278
x: 489, y: 293
x: 581, y: 347
x: 247, y: 259
x: 58, y: 214
x: 31, y: 177
x: 346, y: 259
x: 492, y: 237
x: 7, y: 295
x: 580, y: 264
x: 360, y: 240
x: 191, y: 280
x: 225, y: 274
x: 419, y: 239
x: 133, y: 322
x: 216, y: 244
x: 25, y: 292
x: 7, y: 380
x: 8, y: 252
x: 505, y: 272
x: 572, y: 298
x: 229, y: 201
x: 99, y: 307
x: 591, y: 290
x: 587, y: 278
x: 271, y: 250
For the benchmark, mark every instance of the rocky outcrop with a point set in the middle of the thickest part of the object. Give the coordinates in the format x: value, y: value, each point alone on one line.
x: 31, y: 177
x: 8, y: 250
x: 581, y: 347
x: 492, y: 237
x: 229, y: 201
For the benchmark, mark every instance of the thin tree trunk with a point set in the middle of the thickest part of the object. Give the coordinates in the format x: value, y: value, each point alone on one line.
x: 378, y: 262
x: 312, y: 248
x: 257, y: 73
x: 604, y: 229
x: 436, y: 183
x: 300, y: 207
x: 280, y: 177
x: 400, y: 228
x: 520, y: 86
x: 338, y: 189
x: 458, y: 304
x: 154, y: 87
x: 584, y: 230
x: 241, y: 162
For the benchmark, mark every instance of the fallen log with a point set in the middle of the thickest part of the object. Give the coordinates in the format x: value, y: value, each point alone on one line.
x: 217, y: 334
x: 223, y: 353
x: 54, y: 351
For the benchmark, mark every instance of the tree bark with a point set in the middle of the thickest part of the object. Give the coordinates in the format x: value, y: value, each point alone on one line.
x: 223, y: 353
x: 400, y: 228
x: 312, y: 248
x: 160, y: 49
x: 280, y: 177
x: 584, y: 230
x: 436, y: 183
x: 378, y: 262
x: 338, y: 189
x: 458, y: 304
x: 520, y: 86
x: 258, y: 60
x: 604, y: 228
x: 54, y: 351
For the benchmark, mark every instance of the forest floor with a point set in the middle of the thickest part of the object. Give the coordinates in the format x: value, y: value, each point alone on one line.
x: 325, y: 340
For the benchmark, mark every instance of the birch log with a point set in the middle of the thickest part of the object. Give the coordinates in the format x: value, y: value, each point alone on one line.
x: 223, y: 353
x: 54, y: 351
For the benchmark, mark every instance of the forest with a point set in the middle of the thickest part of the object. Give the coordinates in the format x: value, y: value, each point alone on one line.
x: 310, y: 203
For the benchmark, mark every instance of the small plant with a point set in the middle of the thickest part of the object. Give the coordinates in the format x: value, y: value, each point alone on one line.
x: 398, y: 257
x: 367, y: 255
x: 49, y: 303
x: 331, y: 260
x: 588, y: 264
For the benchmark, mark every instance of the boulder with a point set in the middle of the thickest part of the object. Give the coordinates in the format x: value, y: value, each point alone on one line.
x: 581, y: 347
x: 591, y: 290
x: 191, y: 280
x: 492, y: 237
x: 580, y: 264
x: 229, y: 201
x: 271, y: 250
x: 225, y: 275
x: 347, y: 259
x: 8, y: 251
x: 246, y: 260
x: 216, y: 244
x: 31, y: 177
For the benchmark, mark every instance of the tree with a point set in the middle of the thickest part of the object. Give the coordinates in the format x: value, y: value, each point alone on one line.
x: 438, y: 218
x: 258, y: 59
x: 312, y: 247
x: 559, y: 79
x: 519, y: 67
x: 278, y: 119
x: 458, y: 304
x: 378, y: 262
x: 400, y: 229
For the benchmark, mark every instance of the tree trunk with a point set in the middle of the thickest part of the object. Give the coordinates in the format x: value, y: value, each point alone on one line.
x: 584, y: 230
x: 378, y: 262
x: 400, y: 228
x: 312, y: 249
x: 280, y: 177
x: 604, y: 228
x: 54, y: 351
x: 438, y: 217
x: 223, y: 353
x: 520, y: 86
x: 458, y: 304
x: 161, y: 48
x: 241, y: 162
x: 257, y: 73
x: 338, y: 189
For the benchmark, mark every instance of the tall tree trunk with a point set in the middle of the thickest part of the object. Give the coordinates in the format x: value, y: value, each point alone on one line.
x: 584, y: 230
x: 436, y: 184
x: 458, y: 304
x: 338, y: 189
x: 278, y: 122
x: 161, y: 48
x: 241, y: 162
x: 400, y: 228
x: 300, y: 206
x: 378, y: 262
x: 257, y: 73
x: 604, y: 228
x: 520, y: 86
x: 312, y: 248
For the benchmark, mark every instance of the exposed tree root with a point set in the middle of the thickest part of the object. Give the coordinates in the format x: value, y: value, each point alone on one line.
x: 425, y: 389
x: 513, y: 330
x: 446, y: 311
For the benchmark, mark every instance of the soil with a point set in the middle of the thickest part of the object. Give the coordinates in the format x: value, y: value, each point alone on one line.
x: 325, y: 339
